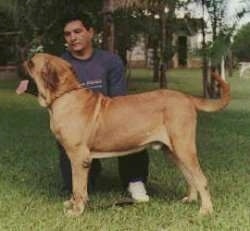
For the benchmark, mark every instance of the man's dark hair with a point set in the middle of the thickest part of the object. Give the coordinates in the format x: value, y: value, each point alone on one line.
x: 85, y: 18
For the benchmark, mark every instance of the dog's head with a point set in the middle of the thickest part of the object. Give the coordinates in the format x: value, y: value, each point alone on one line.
x: 52, y: 75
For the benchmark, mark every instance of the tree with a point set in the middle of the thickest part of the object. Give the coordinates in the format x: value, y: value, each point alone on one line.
x: 204, y: 54
x: 241, y: 43
x: 165, y: 10
x: 40, y: 22
x: 8, y: 32
x: 222, y: 33
x: 108, y: 25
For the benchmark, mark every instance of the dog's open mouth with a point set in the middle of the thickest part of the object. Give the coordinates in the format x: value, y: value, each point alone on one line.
x: 27, y: 86
x: 22, y: 87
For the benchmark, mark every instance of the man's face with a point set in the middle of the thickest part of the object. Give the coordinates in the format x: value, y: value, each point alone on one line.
x: 77, y: 36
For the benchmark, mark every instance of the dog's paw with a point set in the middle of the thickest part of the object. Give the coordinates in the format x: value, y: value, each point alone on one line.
x: 189, y: 199
x: 73, y: 210
x: 206, y: 211
x: 68, y: 204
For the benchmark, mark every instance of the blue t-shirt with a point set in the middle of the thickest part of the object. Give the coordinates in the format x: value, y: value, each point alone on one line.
x: 102, y: 72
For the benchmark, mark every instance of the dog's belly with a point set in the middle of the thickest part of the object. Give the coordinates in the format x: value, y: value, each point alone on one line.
x: 99, y: 154
x: 123, y: 143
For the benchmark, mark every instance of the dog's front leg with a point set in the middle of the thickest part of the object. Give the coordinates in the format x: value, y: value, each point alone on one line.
x: 80, y: 167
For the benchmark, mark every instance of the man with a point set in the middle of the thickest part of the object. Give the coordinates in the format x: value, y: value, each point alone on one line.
x: 100, y: 71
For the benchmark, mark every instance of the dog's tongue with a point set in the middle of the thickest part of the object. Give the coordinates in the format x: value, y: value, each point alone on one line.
x: 22, y: 87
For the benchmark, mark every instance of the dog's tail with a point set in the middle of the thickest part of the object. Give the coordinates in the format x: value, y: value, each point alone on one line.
x: 210, y: 105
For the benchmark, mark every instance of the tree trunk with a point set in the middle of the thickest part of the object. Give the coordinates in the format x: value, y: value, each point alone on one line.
x: 214, y: 21
x: 223, y: 74
x: 163, y: 65
x: 108, y: 32
x: 156, y: 63
x: 205, y: 68
x: 163, y: 76
x: 230, y: 63
x: 205, y: 83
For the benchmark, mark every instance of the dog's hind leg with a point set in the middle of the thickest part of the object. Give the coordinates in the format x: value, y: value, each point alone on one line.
x: 185, y: 153
x: 192, y: 194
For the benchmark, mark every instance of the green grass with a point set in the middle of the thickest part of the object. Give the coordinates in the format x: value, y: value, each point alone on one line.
x: 30, y: 181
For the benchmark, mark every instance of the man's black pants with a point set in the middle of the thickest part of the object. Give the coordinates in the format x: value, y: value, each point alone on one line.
x: 131, y: 168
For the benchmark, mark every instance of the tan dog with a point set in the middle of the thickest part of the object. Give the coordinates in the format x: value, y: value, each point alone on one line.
x: 90, y: 125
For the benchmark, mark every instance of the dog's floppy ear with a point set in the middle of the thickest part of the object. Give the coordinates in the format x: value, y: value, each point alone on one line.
x: 50, y: 76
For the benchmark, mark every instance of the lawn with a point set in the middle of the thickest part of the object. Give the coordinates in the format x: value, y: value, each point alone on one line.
x: 30, y: 181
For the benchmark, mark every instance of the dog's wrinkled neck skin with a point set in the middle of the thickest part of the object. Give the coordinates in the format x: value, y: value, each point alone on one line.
x: 49, y: 106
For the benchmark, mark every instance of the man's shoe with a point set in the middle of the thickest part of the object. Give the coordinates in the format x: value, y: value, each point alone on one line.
x: 138, y: 192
